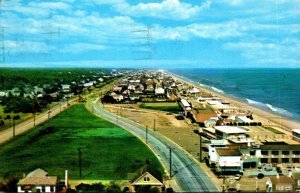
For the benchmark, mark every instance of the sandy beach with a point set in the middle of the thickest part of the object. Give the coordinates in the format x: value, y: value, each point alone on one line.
x: 265, y: 117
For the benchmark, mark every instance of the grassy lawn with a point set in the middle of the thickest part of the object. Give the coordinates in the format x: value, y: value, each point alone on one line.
x: 170, y: 107
x: 273, y: 130
x: 108, y: 152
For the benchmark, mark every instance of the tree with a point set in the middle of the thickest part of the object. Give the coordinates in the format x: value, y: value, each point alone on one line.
x: 16, y: 117
x: 148, y: 189
x: 1, y: 124
x: 108, y: 99
x: 112, y: 187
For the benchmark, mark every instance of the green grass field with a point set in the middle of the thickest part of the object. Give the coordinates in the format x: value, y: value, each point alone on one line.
x: 170, y: 107
x: 108, y: 152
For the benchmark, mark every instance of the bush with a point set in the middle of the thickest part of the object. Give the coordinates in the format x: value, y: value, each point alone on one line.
x: 113, y: 188
x: 16, y: 117
x: 1, y: 124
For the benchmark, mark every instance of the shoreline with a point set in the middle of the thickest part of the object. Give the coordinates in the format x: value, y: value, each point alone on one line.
x: 271, y: 119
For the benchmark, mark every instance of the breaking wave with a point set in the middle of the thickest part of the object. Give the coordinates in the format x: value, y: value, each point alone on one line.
x: 270, y: 107
x: 217, y: 90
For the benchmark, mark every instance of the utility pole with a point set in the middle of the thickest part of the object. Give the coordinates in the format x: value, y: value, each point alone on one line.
x: 2, y: 54
x: 14, y: 128
x: 34, y: 118
x: 49, y: 111
x: 170, y: 149
x: 79, y: 161
x: 154, y: 124
x: 146, y: 134
x: 200, y: 155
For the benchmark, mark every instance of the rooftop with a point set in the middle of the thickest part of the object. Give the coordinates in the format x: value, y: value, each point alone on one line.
x: 281, y: 180
x: 230, y: 129
x: 228, y: 152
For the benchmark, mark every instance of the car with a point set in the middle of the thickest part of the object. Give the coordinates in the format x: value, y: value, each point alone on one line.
x: 268, y: 168
x: 237, y: 176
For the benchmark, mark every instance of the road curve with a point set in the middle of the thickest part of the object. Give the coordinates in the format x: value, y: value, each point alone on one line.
x: 185, y: 171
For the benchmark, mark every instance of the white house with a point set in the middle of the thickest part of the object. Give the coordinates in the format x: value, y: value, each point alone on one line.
x: 229, y: 160
x: 66, y: 88
x: 38, y: 181
x: 159, y: 91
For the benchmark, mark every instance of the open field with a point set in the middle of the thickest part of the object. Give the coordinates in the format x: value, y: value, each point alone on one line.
x: 108, y: 152
x: 170, y: 107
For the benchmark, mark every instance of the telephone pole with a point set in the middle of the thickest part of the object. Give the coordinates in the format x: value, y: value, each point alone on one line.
x: 170, y: 161
x: 2, y: 45
x: 14, y: 128
x: 79, y: 162
x: 146, y: 134
x: 200, y: 156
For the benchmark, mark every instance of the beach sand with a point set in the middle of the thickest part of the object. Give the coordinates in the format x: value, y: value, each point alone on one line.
x: 268, y: 119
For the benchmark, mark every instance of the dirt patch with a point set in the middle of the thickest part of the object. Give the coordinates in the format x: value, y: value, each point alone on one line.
x: 179, y: 131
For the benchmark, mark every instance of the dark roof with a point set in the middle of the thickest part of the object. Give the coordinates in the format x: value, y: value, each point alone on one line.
x: 228, y: 152
x: 275, y: 143
x: 280, y: 147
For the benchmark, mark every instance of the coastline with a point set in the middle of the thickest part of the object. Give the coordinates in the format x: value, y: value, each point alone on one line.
x: 267, y: 118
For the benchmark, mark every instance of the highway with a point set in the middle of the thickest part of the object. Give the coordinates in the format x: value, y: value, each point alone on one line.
x: 187, y: 174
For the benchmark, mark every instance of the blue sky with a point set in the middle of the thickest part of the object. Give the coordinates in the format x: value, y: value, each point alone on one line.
x: 150, y: 33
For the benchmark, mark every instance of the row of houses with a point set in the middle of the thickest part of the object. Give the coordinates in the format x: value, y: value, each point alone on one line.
x: 39, y: 181
x: 56, y: 88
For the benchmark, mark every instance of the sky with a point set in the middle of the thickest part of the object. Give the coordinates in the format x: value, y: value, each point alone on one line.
x: 150, y: 33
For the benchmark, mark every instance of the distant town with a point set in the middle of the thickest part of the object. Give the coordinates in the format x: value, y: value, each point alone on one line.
x: 227, y: 144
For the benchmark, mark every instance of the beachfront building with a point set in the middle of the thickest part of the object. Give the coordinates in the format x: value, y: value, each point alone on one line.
x: 203, y: 113
x: 235, y: 135
x: 38, y: 181
x: 186, y: 106
x: 228, y: 161
x: 279, y: 152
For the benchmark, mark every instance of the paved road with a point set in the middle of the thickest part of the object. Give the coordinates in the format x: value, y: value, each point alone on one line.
x: 7, y: 134
x: 187, y: 174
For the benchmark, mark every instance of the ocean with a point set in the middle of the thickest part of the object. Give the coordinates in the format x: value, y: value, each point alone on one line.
x: 273, y: 90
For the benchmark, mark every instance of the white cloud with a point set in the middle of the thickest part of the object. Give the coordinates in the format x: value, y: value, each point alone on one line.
x: 14, y: 47
x: 197, y: 30
x: 167, y: 9
x: 83, y: 47
x: 286, y: 52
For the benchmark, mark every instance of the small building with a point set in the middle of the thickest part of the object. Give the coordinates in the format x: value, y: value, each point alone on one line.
x: 279, y: 184
x: 229, y: 161
x: 146, y: 179
x: 159, y: 91
x: 186, y: 106
x: 202, y: 114
x: 38, y: 181
x: 66, y: 88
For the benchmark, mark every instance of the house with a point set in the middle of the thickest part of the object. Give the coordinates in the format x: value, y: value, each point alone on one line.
x: 38, y: 181
x: 66, y: 88
x: 118, y: 97
x: 159, y: 91
x: 279, y: 184
x: 186, y: 106
x: 194, y: 91
x: 4, y: 93
x: 229, y: 160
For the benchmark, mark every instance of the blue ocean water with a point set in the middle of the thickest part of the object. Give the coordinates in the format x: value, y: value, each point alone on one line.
x: 274, y: 90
